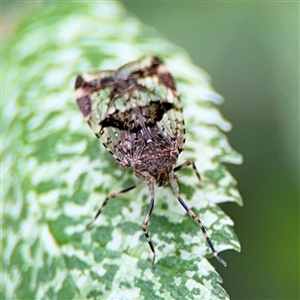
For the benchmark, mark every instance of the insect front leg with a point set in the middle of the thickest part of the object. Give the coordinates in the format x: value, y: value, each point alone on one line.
x: 109, y: 197
x: 146, y: 222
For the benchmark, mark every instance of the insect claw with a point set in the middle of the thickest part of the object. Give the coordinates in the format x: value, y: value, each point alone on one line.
x: 220, y: 260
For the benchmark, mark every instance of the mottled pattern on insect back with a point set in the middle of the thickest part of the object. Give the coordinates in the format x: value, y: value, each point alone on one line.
x: 136, y: 113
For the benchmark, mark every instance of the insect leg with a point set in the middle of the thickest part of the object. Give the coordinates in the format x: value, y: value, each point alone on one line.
x: 109, y: 197
x: 146, y: 221
x: 197, y: 220
x: 174, y: 185
x: 187, y: 164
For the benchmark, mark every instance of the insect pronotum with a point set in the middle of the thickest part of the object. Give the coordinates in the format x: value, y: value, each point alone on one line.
x: 136, y: 113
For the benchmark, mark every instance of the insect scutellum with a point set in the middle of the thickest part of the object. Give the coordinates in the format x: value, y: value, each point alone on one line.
x: 136, y: 113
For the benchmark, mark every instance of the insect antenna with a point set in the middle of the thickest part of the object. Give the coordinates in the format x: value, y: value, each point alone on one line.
x: 147, y: 219
x: 175, y: 187
x: 109, y: 197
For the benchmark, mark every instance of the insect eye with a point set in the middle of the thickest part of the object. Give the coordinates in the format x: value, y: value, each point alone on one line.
x: 152, y: 171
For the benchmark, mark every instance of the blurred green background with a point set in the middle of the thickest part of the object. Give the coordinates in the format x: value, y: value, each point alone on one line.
x: 251, y: 51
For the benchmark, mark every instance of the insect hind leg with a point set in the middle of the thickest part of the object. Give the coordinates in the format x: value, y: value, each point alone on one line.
x: 109, y: 197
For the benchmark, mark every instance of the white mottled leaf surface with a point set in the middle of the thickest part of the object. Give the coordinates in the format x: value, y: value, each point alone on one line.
x: 55, y: 173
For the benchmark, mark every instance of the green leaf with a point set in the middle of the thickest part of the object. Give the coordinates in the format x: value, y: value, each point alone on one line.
x: 56, y: 174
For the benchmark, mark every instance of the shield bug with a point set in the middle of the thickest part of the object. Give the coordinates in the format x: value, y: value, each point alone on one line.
x: 136, y: 113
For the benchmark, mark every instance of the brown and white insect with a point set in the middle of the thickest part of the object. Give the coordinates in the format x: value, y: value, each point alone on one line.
x: 136, y: 113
